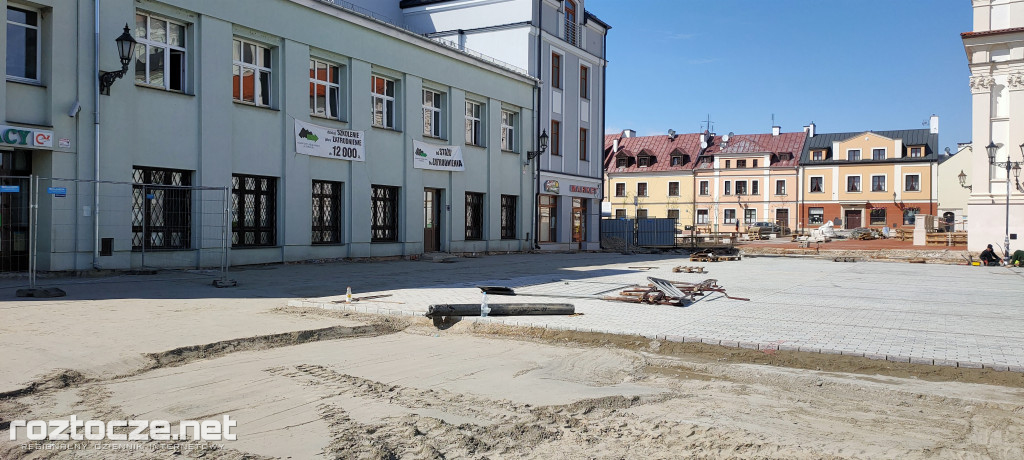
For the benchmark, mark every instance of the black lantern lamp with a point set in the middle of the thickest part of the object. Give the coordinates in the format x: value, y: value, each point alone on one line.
x: 543, y: 146
x: 963, y: 180
x: 125, y: 51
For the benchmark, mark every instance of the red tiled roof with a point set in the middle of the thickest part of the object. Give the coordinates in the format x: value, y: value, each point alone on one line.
x: 660, y: 148
x: 991, y: 32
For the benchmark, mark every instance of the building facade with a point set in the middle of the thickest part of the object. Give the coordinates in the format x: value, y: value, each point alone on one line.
x: 239, y: 99
x: 869, y: 179
x: 953, y: 196
x: 994, y: 51
x: 564, y: 46
x: 651, y: 176
x: 745, y: 178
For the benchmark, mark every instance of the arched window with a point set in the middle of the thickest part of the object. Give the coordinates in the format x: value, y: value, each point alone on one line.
x: 570, y: 21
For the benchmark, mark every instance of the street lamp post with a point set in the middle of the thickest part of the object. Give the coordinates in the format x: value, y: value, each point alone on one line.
x: 1015, y: 167
x: 530, y: 155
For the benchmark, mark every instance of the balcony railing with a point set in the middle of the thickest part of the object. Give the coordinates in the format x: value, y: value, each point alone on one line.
x: 574, y: 34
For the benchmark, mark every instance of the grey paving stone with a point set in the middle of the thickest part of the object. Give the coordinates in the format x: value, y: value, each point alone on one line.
x: 944, y: 362
x: 928, y: 361
x: 969, y: 365
x: 897, y: 358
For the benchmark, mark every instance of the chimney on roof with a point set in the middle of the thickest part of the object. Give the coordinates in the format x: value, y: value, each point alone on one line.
x: 809, y: 129
x: 933, y: 124
x: 776, y: 130
x: 615, y: 146
x: 627, y: 133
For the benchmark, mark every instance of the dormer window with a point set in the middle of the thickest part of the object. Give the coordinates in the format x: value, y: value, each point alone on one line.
x: 916, y: 152
x: 570, y: 21
x: 818, y: 155
x: 643, y: 161
x: 621, y: 162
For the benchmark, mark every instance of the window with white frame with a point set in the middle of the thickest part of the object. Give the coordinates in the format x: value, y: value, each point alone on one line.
x: 641, y: 189
x: 705, y: 188
x: 382, y: 93
x: 556, y: 70
x: 620, y: 189
x: 474, y: 131
x: 673, y: 189
x: 816, y: 215
x: 780, y: 187
x: 251, y: 73
x: 817, y: 184
x: 620, y: 213
x: 853, y: 155
x: 741, y: 187
x: 508, y: 130
x: 912, y: 183
x: 432, y: 113
x: 673, y: 214
x: 755, y: 187
x: 324, y: 89
x: 702, y: 216
x: 729, y: 216
x: 877, y: 154
x: 728, y: 188
x: 641, y: 213
x: 160, y: 54
x: 878, y: 183
x: 23, y: 44
x: 852, y: 183
x: 749, y: 216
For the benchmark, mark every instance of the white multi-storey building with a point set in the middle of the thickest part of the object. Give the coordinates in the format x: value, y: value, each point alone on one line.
x: 995, y: 56
x: 563, y: 45
x: 247, y: 102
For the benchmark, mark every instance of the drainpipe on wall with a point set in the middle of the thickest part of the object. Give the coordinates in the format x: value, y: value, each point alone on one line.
x: 539, y: 99
x: 604, y: 109
x: 96, y: 149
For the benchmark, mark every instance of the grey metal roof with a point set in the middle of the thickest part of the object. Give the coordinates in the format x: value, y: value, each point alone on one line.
x: 412, y: 3
x: 909, y: 136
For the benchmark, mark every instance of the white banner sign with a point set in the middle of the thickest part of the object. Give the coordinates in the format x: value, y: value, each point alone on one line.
x: 320, y: 141
x: 439, y: 157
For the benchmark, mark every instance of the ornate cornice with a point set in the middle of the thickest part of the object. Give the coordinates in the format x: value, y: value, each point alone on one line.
x: 982, y: 84
x: 1016, y: 80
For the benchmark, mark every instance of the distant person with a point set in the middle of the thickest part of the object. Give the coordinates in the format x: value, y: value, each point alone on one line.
x: 989, y: 258
x: 1017, y: 258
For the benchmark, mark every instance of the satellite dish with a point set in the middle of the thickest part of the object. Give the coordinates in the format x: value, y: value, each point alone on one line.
x: 725, y: 138
x: 703, y: 145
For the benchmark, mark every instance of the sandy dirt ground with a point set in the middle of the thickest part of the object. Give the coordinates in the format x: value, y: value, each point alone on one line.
x: 403, y: 388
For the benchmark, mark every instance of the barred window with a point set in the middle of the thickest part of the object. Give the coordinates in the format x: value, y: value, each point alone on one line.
x: 326, y: 212
x: 384, y: 214
x: 161, y: 209
x: 474, y: 216
x: 253, y: 211
x: 508, y: 216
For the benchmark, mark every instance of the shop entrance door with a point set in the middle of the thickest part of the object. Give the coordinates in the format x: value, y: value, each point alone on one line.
x: 431, y: 220
x: 853, y: 219
x: 579, y: 220
x: 15, y: 167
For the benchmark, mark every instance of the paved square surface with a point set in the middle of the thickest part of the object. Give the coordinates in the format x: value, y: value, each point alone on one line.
x: 934, y: 314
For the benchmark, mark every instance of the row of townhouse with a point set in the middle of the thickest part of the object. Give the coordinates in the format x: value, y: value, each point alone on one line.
x: 240, y: 98
x: 725, y: 183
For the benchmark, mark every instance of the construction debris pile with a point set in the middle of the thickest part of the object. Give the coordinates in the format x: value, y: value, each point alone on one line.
x: 665, y: 292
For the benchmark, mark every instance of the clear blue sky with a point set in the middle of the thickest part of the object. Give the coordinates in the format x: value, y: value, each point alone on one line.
x: 847, y: 65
